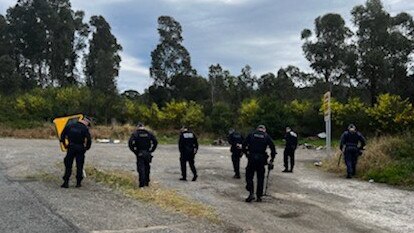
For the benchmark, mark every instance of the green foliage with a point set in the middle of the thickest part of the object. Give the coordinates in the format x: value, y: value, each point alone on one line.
x: 392, y: 114
x: 103, y: 60
x: 248, y: 113
x: 328, y: 53
x: 176, y: 114
x: 354, y: 111
x: 33, y: 106
x: 306, y: 117
x: 222, y: 118
x: 170, y: 58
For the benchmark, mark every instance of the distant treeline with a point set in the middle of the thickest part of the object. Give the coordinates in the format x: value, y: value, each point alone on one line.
x: 53, y: 63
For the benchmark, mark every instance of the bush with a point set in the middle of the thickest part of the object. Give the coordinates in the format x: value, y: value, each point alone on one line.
x: 391, y: 114
x: 307, y: 120
x: 175, y: 114
x: 248, y: 113
x: 221, y: 118
x: 386, y: 160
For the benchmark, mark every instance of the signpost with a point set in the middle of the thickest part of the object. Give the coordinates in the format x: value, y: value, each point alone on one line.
x: 327, y: 117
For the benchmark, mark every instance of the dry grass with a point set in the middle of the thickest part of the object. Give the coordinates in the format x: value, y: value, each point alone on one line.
x: 376, y: 156
x: 386, y: 160
x: 45, y: 132
x: 165, y: 198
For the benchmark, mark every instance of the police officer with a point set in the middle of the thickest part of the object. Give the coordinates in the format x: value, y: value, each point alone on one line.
x: 188, y: 147
x: 255, y: 147
x: 79, y: 138
x: 352, y: 144
x: 235, y: 139
x: 143, y: 143
x: 291, y: 143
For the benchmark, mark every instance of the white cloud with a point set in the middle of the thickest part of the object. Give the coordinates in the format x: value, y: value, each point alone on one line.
x: 133, y: 74
x: 228, y: 2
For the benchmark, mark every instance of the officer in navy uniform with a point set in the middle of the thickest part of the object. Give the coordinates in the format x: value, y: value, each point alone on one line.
x: 79, y: 138
x: 291, y: 143
x: 255, y: 147
x: 352, y: 144
x: 188, y: 147
x: 143, y: 143
x: 235, y: 140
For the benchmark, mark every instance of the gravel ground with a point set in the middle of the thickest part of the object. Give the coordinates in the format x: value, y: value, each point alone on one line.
x: 306, y: 201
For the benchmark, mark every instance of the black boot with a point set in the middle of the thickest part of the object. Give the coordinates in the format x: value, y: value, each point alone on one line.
x: 65, y: 185
x: 237, y: 176
x: 286, y: 170
x: 250, y: 198
x: 194, y: 178
x: 183, y: 179
x: 78, y: 184
x: 259, y: 199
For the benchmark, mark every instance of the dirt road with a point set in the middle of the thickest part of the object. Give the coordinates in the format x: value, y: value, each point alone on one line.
x: 306, y: 201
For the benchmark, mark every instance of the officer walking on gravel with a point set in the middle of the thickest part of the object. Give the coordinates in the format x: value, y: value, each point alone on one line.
x: 188, y: 147
x: 79, y: 138
x: 352, y: 144
x: 235, y: 140
x: 143, y: 143
x: 255, y: 147
x: 291, y: 143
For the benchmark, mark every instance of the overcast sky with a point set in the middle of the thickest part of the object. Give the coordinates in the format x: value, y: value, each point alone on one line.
x: 262, y: 33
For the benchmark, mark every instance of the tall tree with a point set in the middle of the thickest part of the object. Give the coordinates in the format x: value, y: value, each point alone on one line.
x: 30, y: 39
x: 102, y: 68
x: 9, y: 79
x: 67, y: 32
x: 384, y: 46
x: 103, y: 60
x: 216, y: 78
x: 170, y: 58
x: 328, y: 53
x: 280, y: 87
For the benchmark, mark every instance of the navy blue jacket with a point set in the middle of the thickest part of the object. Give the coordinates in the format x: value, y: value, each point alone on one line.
x: 78, y: 136
x: 142, y: 140
x: 257, y: 143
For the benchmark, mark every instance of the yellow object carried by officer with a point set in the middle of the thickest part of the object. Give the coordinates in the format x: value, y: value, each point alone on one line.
x: 60, y: 124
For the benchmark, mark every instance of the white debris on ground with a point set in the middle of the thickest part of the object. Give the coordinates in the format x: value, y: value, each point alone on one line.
x: 105, y: 140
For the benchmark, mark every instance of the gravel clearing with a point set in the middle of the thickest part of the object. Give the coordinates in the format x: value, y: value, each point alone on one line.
x: 306, y: 201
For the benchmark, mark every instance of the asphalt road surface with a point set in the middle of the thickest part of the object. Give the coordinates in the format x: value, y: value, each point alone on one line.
x: 307, y: 200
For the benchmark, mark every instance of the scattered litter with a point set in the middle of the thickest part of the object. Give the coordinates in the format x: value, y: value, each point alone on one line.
x: 308, y: 146
x: 320, y: 148
x: 105, y: 140
x: 322, y: 135
x: 318, y: 164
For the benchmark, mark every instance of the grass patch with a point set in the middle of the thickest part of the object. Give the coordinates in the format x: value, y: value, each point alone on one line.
x: 44, y: 176
x: 386, y: 160
x: 168, y: 199
x: 121, y: 132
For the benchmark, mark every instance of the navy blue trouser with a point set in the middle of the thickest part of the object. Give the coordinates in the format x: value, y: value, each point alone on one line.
x: 351, y: 159
x: 235, y: 158
x: 71, y: 155
x: 143, y: 168
x: 183, y: 162
x: 289, y: 154
x: 255, y: 166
